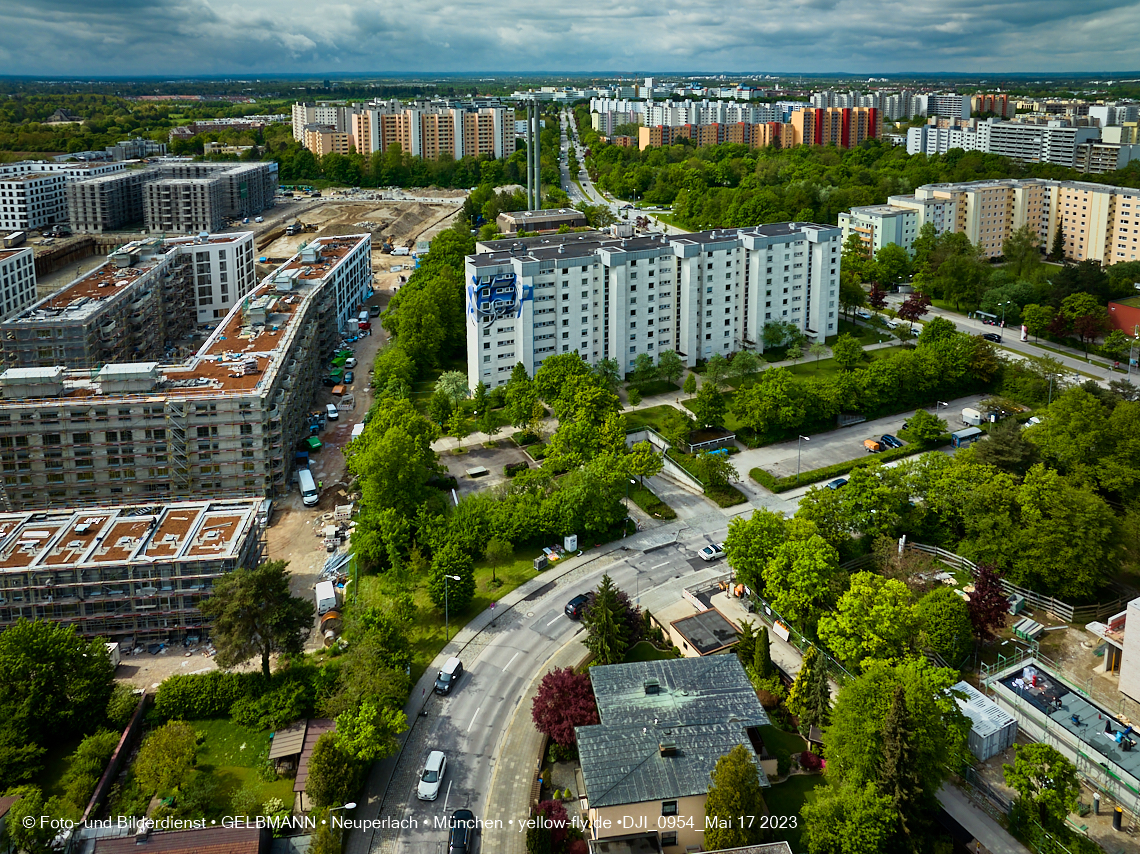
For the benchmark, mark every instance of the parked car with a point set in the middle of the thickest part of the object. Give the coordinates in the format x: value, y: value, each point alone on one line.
x: 448, y: 676
x: 350, y: 362
x: 890, y: 441
x: 992, y: 336
x: 330, y: 412
x: 838, y: 482
x: 713, y: 552
x: 576, y: 605
x: 461, y: 837
x: 872, y: 445
x: 431, y: 778
x: 349, y: 376
x: 892, y: 324
x: 864, y: 315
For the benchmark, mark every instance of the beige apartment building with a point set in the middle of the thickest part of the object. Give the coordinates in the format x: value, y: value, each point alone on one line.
x: 430, y: 131
x: 221, y: 422
x: 322, y: 140
x: 131, y: 573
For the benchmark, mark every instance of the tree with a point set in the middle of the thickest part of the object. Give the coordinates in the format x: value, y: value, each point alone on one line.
x: 962, y: 278
x: 944, y: 622
x: 669, y: 365
x: 551, y: 379
x: 1038, y: 319
x: 448, y: 562
x: 327, y: 834
x: 642, y: 461
x: 453, y: 384
x: 892, y: 265
x: 853, y: 741
x: 935, y: 330
x: 924, y: 428
x: 914, y: 306
x: 609, y: 371
x: 1022, y: 251
x: 745, y: 647
x: 564, y: 701
x: 370, y: 732
x: 24, y: 829
x: 253, y: 613
x: 1057, y: 250
x: 1088, y: 318
x: 898, y: 778
x: 751, y: 543
x: 440, y: 409
x: 335, y: 774
x: 457, y: 426
x: 498, y: 552
x: 1117, y: 344
x: 165, y: 756
x: 644, y: 371
x: 810, y: 696
x: 1045, y: 781
x: 716, y: 369
x: 801, y: 578
x: 873, y: 619
x: 634, y: 396
x: 715, y: 469
x: 848, y: 820
x: 877, y: 298
x: 690, y: 385
x: 709, y: 406
x: 817, y: 349
x: 744, y: 364
x: 521, y: 396
x: 1006, y: 448
x: 762, y: 656
x: 851, y: 293
x: 676, y: 428
x: 795, y: 352
x: 734, y: 799
x: 856, y: 255
x: 607, y: 635
x: 847, y: 352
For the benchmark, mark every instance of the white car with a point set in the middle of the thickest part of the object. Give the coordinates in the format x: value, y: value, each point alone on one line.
x: 331, y: 413
x: 713, y: 552
x: 432, y: 776
x: 865, y: 315
x: 892, y: 324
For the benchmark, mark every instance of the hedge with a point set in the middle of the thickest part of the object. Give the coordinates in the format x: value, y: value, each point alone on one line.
x: 650, y: 503
x: 782, y: 484
x: 205, y: 695
x: 725, y: 496
x: 511, y: 469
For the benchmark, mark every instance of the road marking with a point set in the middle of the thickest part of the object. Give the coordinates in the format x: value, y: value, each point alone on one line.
x: 512, y: 661
x: 659, y: 565
x: 448, y: 795
x: 477, y: 711
x: 555, y: 620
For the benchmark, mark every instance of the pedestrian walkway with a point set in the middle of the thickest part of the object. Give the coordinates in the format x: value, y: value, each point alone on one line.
x: 519, y: 759
x: 995, y: 838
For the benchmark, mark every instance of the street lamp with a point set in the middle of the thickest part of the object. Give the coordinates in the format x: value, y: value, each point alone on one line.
x: 351, y: 805
x: 1003, y: 305
x: 624, y: 526
x: 446, y: 617
x: 799, y: 447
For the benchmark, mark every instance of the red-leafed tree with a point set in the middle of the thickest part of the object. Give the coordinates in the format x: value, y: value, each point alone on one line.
x: 555, y: 813
x: 564, y: 700
x: 989, y: 605
x: 914, y: 307
x: 877, y: 298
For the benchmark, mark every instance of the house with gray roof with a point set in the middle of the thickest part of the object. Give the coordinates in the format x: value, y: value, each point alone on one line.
x: 664, y: 725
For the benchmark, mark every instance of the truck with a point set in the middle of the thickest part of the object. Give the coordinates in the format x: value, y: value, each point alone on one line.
x: 326, y: 597
x: 971, y: 417
x: 16, y: 238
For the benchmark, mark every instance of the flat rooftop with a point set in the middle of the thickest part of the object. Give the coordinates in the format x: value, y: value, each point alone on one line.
x: 199, y: 529
x: 5, y: 254
x: 707, y: 631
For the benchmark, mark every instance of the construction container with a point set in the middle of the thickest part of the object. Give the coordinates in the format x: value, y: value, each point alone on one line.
x: 992, y: 729
x: 1016, y: 604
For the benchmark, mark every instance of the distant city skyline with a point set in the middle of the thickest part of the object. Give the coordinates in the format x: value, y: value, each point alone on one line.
x: 131, y: 37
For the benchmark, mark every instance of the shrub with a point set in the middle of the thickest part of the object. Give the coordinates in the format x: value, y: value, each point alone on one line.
x: 634, y: 397
x: 767, y: 699
x: 511, y: 469
x: 524, y: 438
x: 810, y: 762
x: 286, y: 703
x: 121, y: 706
x: 725, y: 496
x: 203, y: 695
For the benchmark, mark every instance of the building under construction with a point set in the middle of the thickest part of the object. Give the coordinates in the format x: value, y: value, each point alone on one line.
x: 127, y: 573
x: 149, y: 294
x: 221, y: 423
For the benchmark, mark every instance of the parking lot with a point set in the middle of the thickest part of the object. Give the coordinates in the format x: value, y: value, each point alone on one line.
x: 841, y: 445
x: 492, y: 459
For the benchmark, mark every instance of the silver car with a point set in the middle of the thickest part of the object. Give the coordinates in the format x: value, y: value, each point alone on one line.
x: 432, y: 776
x: 713, y: 552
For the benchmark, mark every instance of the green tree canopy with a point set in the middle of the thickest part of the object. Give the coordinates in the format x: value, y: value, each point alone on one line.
x: 607, y: 635
x: 1045, y: 781
x: 874, y: 619
x: 944, y: 620
x: 165, y: 756
x: 734, y: 802
x: 801, y: 578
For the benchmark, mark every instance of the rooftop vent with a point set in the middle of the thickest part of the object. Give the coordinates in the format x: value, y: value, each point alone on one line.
x: 652, y: 686
x: 667, y: 748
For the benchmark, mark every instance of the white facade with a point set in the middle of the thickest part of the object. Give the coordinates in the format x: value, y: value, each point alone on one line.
x: 17, y: 279
x: 32, y: 192
x: 336, y: 116
x: 223, y: 271
x: 603, y: 297
x: 943, y: 104
x: 880, y: 225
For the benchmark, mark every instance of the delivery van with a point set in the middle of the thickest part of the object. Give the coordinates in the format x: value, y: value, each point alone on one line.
x: 326, y: 597
x: 309, y: 494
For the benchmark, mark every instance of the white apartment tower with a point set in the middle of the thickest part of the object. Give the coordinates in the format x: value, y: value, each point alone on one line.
x: 607, y: 297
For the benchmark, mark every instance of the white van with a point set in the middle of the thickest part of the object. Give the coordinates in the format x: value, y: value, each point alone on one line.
x: 326, y: 597
x: 309, y: 494
x: 357, y: 431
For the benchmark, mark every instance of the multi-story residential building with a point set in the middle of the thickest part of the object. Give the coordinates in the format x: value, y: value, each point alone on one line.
x: 222, y: 271
x: 17, y: 279
x: 880, y: 225
x: 126, y: 573
x: 1098, y: 157
x: 943, y: 104
x: 336, y: 116
x: 845, y: 127
x: 429, y: 130
x: 220, y: 423
x: 1097, y: 221
x: 183, y: 205
x: 1036, y: 143
x: 32, y: 192
x: 107, y: 202
x: 606, y: 297
x: 323, y: 139
x: 1127, y: 133
x: 998, y: 104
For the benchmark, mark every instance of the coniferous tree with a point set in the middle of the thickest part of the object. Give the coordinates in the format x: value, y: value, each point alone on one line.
x: 607, y: 635
x: 762, y: 656
x: 897, y: 777
x: 1057, y: 251
x: 746, y: 643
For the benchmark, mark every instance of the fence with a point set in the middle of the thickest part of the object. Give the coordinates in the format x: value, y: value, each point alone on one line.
x: 668, y: 466
x: 1059, y: 609
x: 122, y: 751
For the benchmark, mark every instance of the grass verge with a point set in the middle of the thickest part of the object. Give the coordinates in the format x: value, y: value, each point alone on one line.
x: 650, y: 416
x: 645, y: 651
x: 650, y: 503
x: 725, y: 496
x: 655, y: 387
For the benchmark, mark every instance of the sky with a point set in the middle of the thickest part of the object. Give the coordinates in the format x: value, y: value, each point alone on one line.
x: 145, y: 37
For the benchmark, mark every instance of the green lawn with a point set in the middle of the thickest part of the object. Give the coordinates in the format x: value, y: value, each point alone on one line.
x: 57, y: 761
x: 650, y: 503
x: 655, y: 387
x: 650, y: 416
x: 645, y: 651
x: 232, y: 754
x: 863, y: 334
x: 730, y: 421
x: 787, y: 799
